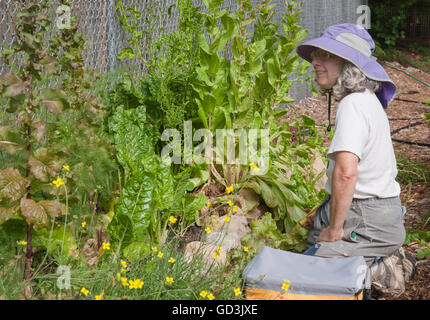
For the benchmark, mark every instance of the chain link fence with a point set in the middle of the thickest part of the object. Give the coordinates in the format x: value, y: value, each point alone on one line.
x: 98, y: 21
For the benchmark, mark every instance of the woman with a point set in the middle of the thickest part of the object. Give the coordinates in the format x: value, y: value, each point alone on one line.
x: 363, y: 215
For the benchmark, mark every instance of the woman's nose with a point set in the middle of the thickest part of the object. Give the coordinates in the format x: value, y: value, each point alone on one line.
x: 316, y: 62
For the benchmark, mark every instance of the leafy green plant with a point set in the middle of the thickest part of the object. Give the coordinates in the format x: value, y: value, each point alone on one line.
x: 388, y: 25
x: 56, y: 124
x: 422, y: 237
x: 246, y: 92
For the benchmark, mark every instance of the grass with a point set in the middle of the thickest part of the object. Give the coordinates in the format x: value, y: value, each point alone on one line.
x: 411, y: 171
x: 109, y: 279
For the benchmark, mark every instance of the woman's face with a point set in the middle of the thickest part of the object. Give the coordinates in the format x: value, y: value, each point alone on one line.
x: 327, y: 67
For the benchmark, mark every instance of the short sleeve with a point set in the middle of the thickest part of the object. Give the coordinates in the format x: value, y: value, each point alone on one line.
x: 351, y: 128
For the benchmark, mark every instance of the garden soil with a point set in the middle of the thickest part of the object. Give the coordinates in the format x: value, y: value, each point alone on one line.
x: 406, y: 123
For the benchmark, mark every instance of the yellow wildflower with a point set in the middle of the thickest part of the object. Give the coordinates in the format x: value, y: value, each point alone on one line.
x: 154, y: 249
x: 67, y: 168
x: 237, y: 292
x: 246, y: 249
x: 58, y: 182
x: 254, y: 167
x: 106, y: 245
x: 217, y: 252
x: 160, y: 254
x: 124, y: 264
x: 99, y: 297
x: 172, y: 219
x: 227, y: 218
x: 124, y: 281
x: 230, y: 203
x: 171, y: 260
x: 83, y: 224
x: 211, y: 296
x: 169, y: 280
x: 235, y: 208
x: 123, y: 270
x: 203, y: 294
x: 286, y: 285
x: 208, y: 230
x: 23, y: 243
x: 85, y: 291
x: 209, y: 204
x: 229, y: 189
x: 136, y: 284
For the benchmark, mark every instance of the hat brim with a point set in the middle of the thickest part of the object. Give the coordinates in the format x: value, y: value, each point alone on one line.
x: 368, y: 65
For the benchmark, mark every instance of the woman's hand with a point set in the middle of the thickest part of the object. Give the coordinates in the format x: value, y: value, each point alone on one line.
x: 330, y: 234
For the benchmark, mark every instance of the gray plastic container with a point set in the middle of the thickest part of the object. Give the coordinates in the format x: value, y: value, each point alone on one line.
x: 309, y: 275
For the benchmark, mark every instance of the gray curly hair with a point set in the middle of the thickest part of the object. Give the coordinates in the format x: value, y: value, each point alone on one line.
x: 351, y: 79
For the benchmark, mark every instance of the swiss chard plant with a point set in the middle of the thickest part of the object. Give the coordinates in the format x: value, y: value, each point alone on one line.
x: 190, y: 77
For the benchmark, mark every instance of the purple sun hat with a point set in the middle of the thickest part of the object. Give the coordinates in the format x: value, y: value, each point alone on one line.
x: 354, y: 44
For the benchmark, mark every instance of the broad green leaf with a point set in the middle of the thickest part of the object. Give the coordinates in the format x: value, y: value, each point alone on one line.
x: 203, y: 43
x: 121, y: 230
x: 300, y: 35
x: 60, y: 239
x: 273, y: 71
x: 295, y: 213
x: 267, y: 194
x: 137, y: 202
x: 193, y: 204
x: 266, y: 227
x: 133, y: 136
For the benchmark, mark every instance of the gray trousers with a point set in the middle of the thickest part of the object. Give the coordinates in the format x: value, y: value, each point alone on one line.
x: 373, y: 228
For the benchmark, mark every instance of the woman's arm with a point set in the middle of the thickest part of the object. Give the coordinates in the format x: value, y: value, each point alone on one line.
x: 342, y: 191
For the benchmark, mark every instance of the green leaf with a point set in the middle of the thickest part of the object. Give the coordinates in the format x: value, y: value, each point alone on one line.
x: 193, y: 204
x: 133, y: 137
x: 295, y: 213
x: 60, y: 238
x: 300, y: 35
x: 273, y: 71
x: 126, y: 53
x: 267, y: 194
x: 137, y: 203
x: 423, y: 253
x: 121, y: 230
x: 266, y: 227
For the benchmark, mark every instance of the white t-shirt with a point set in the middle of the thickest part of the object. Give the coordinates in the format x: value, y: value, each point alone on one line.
x: 362, y: 128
